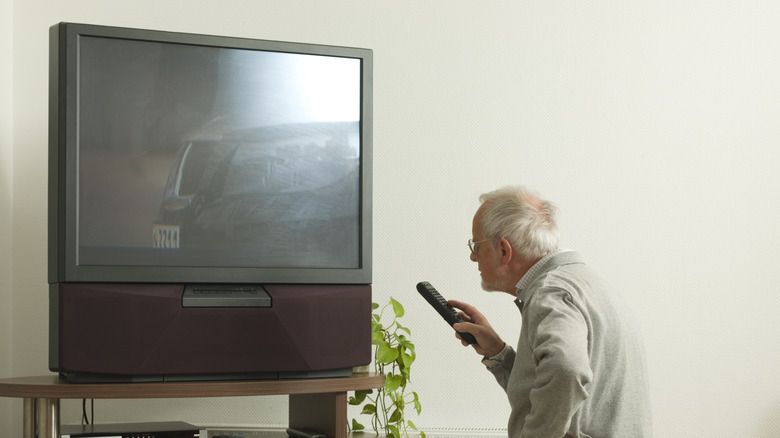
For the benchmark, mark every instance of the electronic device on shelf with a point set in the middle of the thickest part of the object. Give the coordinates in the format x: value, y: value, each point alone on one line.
x: 168, y: 429
x: 182, y: 164
x: 434, y: 298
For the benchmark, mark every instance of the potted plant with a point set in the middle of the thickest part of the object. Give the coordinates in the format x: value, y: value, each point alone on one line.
x: 394, y: 355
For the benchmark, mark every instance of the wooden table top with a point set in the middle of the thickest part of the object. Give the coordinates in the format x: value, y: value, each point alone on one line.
x: 53, y: 386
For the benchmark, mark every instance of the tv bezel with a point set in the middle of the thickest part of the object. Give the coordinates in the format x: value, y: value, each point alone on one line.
x: 63, y: 171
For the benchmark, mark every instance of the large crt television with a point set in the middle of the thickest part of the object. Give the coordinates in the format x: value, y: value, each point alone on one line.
x: 209, y: 206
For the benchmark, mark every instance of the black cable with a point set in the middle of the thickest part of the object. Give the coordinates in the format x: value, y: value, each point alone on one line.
x: 84, y: 417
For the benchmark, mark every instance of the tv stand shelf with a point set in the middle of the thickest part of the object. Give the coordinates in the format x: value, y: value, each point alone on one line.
x: 317, y: 404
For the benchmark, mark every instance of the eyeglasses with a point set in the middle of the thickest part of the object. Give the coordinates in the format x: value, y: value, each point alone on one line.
x: 474, y: 246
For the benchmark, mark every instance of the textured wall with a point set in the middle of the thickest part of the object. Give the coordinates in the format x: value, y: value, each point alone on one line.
x: 6, y: 196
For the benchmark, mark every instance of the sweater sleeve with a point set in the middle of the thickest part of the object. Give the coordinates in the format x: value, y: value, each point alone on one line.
x: 501, y: 365
x: 559, y: 344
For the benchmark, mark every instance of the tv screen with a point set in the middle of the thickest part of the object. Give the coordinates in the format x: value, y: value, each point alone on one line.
x: 192, y: 158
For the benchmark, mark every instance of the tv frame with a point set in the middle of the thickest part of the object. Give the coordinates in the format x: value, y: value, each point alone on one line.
x: 63, y: 175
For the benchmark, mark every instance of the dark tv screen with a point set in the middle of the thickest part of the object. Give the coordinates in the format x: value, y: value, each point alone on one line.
x: 190, y: 158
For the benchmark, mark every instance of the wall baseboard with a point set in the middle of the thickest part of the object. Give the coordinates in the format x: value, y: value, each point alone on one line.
x: 279, y: 432
x: 466, y: 433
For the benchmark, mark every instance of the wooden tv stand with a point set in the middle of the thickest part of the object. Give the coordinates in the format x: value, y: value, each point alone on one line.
x: 316, y: 404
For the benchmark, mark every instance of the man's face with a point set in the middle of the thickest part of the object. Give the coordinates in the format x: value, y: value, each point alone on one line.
x: 488, y: 261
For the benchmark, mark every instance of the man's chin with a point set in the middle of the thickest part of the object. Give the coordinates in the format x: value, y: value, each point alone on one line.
x: 488, y: 287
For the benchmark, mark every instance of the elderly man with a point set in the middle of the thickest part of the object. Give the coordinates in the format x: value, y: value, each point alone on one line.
x: 578, y: 369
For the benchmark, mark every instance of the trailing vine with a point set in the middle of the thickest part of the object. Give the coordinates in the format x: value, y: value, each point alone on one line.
x: 394, y: 355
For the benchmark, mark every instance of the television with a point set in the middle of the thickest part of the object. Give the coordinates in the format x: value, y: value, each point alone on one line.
x: 220, y: 174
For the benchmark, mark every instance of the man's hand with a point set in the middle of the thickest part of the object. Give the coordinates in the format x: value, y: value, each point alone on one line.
x: 488, y: 343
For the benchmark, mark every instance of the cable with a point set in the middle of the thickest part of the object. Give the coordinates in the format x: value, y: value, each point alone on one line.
x: 84, y: 417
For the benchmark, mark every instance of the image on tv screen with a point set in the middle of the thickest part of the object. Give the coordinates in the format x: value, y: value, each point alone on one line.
x: 206, y: 156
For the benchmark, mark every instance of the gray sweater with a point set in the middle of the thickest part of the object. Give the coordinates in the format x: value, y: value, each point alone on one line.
x: 579, y: 368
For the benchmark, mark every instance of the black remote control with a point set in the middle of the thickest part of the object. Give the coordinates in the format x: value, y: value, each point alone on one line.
x: 445, y: 310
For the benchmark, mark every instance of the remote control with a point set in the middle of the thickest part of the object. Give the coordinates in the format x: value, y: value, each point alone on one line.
x: 445, y: 310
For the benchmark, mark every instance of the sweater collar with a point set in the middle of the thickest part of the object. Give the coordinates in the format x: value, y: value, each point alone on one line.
x: 550, y: 261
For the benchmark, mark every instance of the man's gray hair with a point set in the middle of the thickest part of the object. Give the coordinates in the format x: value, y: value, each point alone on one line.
x: 523, y: 218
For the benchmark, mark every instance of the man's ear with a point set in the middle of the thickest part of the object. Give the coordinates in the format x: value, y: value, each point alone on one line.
x: 505, y: 251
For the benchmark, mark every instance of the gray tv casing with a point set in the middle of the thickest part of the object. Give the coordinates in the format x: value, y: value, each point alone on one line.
x: 105, y: 325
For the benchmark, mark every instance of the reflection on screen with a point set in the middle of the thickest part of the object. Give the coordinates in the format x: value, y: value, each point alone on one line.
x: 203, y: 156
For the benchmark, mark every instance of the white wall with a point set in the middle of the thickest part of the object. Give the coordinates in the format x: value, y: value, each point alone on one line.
x: 654, y: 125
x: 6, y: 172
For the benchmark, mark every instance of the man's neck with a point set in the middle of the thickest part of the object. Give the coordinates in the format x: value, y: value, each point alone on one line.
x: 518, y: 269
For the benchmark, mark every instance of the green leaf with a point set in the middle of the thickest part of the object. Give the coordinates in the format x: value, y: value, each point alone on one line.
x: 385, y: 353
x: 374, y: 306
x: 377, y: 338
x: 400, y: 327
x: 406, y: 359
x: 368, y: 409
x: 393, y: 431
x: 395, y: 416
x: 404, y: 374
x: 360, y: 396
x: 356, y: 425
x: 411, y: 425
x: 392, y: 382
x: 416, y: 402
x: 407, y: 344
x: 398, y: 309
